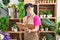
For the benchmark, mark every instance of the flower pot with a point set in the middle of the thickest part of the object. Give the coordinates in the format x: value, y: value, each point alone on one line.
x: 44, y: 15
x: 12, y: 28
x: 15, y: 30
x: 42, y: 29
x: 18, y: 15
x: 11, y: 12
x: 1, y: 36
x: 41, y: 16
x: 58, y: 37
x: 49, y: 16
x: 46, y: 29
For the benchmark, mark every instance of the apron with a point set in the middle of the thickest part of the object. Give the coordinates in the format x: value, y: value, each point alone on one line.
x: 31, y: 36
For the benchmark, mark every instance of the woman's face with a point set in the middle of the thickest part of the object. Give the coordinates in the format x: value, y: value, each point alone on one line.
x: 29, y: 10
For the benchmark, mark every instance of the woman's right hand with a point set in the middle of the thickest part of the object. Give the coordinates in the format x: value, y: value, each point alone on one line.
x: 24, y: 19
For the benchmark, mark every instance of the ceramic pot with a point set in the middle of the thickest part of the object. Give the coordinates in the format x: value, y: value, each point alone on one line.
x: 46, y: 29
x: 11, y: 12
x: 58, y: 37
x: 44, y: 15
x: 42, y: 29
x: 49, y: 16
x: 41, y: 16
x: 15, y: 30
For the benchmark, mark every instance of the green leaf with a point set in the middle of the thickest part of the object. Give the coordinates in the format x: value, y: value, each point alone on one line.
x: 0, y: 5
x: 21, y: 10
x: 4, y: 23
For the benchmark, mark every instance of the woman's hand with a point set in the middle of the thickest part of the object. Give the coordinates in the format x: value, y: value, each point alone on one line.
x: 35, y: 29
x: 28, y: 31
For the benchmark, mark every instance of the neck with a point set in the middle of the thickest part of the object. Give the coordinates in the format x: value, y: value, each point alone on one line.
x: 32, y: 14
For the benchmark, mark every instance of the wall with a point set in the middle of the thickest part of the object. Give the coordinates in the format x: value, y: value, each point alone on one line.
x: 58, y: 9
x: 58, y: 6
x: 14, y: 1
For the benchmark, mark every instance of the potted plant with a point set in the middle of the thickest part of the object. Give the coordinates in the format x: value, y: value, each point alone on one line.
x: 41, y: 14
x: 5, y: 2
x: 49, y: 36
x: 42, y: 28
x: 48, y: 24
x: 50, y: 1
x: 49, y: 14
x: 14, y: 28
x: 45, y: 12
x: 21, y: 10
x: 58, y: 30
x: 4, y: 21
x: 11, y: 8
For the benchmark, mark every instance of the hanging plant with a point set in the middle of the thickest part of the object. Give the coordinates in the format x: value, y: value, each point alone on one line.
x: 5, y: 2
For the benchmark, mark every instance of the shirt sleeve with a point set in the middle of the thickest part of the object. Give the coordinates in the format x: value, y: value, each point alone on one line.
x: 37, y: 21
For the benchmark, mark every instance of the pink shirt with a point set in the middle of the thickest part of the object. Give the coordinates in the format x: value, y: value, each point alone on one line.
x: 37, y: 21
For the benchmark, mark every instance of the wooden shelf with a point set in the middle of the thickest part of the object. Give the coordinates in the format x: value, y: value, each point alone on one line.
x: 37, y: 9
x: 50, y: 18
x: 15, y: 32
x: 47, y: 3
x: 14, y: 19
x: 46, y: 32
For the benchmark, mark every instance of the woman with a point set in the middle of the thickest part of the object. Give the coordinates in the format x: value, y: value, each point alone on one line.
x: 31, y: 18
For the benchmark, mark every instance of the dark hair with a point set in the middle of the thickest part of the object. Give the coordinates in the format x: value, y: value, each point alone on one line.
x: 28, y: 5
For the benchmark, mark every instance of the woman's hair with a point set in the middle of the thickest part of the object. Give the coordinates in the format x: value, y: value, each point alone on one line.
x: 28, y: 5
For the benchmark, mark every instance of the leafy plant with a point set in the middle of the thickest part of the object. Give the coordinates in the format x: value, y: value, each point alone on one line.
x: 14, y: 26
x: 21, y: 10
x: 58, y: 28
x: 11, y: 5
x: 5, y: 2
x: 21, y: 0
x: 58, y: 31
x: 49, y: 37
x: 50, y: 0
x: 49, y: 12
x: 0, y: 5
x: 45, y: 12
x: 4, y: 21
x: 41, y: 12
x: 48, y: 23
x: 42, y: 27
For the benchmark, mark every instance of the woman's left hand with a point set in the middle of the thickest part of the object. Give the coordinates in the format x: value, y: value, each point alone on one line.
x: 28, y: 31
